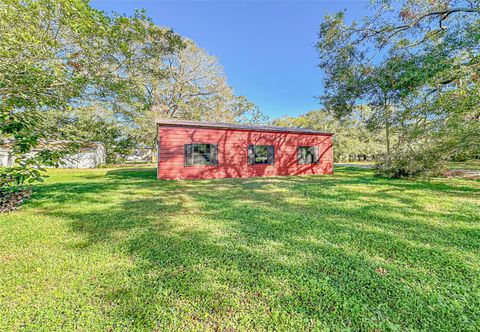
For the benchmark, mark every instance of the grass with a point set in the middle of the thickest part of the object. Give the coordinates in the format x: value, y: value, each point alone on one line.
x: 471, y: 165
x: 114, y: 249
x: 361, y: 163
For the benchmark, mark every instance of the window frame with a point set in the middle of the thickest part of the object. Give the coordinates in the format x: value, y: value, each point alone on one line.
x: 252, y: 155
x: 189, y: 155
x: 312, y: 151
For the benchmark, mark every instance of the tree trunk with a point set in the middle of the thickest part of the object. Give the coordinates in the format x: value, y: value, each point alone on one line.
x: 387, y: 136
x: 386, y: 113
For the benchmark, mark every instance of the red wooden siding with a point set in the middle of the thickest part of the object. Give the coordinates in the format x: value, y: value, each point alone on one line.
x: 232, y: 153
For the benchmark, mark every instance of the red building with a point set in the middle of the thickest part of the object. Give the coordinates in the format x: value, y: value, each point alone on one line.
x: 198, y: 150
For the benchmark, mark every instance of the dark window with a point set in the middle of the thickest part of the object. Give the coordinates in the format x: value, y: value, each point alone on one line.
x: 261, y: 154
x: 201, y: 154
x: 308, y: 155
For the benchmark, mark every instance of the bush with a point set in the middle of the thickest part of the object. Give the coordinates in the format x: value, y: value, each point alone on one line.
x: 417, y: 163
x: 10, y: 177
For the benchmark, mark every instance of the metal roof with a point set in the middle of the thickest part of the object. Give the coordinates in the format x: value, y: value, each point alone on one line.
x: 221, y: 125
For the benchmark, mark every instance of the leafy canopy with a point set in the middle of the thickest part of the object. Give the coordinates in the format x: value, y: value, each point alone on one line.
x: 416, y: 65
x: 56, y: 55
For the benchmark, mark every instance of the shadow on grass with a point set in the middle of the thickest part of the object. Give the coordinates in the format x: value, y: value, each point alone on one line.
x: 133, y: 173
x: 291, y: 252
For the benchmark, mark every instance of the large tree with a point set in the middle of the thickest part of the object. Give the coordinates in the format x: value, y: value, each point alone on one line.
x: 187, y: 84
x: 416, y: 64
x: 55, y: 55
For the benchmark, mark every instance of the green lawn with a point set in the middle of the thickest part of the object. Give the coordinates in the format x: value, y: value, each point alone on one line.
x: 114, y: 249
x: 472, y: 165
x: 469, y: 165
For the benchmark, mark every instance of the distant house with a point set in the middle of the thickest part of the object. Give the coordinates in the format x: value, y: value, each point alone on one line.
x: 90, y: 155
x: 141, y: 153
x: 193, y: 150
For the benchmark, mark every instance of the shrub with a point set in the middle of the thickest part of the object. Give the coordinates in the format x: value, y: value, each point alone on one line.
x: 411, y: 163
x: 11, y: 177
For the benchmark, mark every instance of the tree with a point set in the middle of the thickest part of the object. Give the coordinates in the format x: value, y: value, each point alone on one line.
x: 353, y: 80
x: 94, y: 124
x: 59, y: 54
x: 412, y: 57
x: 351, y: 141
x: 188, y: 84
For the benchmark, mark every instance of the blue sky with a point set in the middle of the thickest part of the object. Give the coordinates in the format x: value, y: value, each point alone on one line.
x: 265, y: 47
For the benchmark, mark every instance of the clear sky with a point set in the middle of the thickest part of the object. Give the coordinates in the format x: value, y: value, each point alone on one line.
x: 265, y: 47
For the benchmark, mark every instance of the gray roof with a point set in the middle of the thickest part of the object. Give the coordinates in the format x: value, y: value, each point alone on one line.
x: 221, y: 125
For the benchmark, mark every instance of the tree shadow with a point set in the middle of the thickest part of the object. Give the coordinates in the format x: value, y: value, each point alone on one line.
x: 263, y: 253
x: 133, y: 173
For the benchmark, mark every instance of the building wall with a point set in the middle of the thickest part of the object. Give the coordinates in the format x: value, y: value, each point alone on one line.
x: 87, y: 158
x: 141, y: 154
x: 232, y: 153
x: 6, y: 159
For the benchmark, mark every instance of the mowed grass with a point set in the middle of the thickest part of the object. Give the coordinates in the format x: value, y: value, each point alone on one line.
x: 117, y: 250
x: 471, y: 165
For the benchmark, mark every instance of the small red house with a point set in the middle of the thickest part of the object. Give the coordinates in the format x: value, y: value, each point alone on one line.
x: 200, y: 150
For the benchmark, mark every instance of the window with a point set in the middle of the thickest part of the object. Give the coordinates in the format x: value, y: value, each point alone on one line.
x: 308, y: 155
x: 261, y: 154
x: 201, y: 154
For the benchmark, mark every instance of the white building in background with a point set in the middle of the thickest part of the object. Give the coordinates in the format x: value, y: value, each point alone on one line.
x: 6, y: 159
x: 142, y: 153
x: 90, y: 155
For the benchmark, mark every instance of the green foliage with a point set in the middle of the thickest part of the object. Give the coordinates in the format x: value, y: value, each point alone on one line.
x: 352, y: 138
x: 55, y: 55
x: 415, y: 64
x: 70, y: 72
x: 15, y: 176
x: 347, y: 251
x: 26, y: 130
x: 192, y: 85
x: 29, y: 167
x: 95, y: 124
x: 421, y: 162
